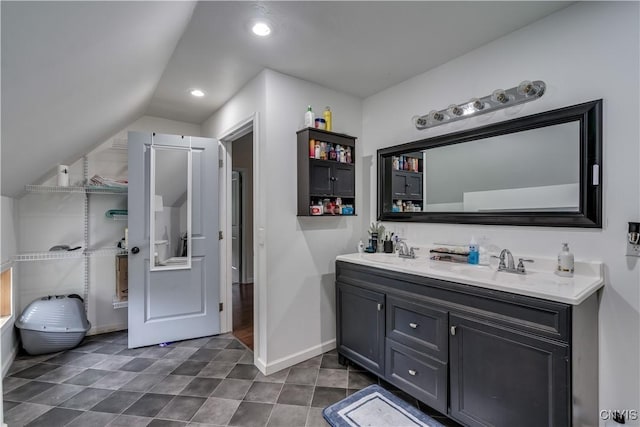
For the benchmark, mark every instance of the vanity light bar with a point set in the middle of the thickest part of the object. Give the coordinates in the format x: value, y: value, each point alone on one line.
x: 499, y: 99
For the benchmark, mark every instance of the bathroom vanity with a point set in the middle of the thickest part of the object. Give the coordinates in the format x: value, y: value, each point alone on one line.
x: 486, y: 348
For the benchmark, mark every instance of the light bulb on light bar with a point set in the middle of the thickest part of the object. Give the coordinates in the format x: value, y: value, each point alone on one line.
x: 500, y: 96
x: 454, y: 111
x: 476, y: 104
x: 197, y: 93
x: 261, y: 29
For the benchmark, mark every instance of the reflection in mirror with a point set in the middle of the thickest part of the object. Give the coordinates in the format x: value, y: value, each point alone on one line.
x: 542, y: 169
x: 170, y: 208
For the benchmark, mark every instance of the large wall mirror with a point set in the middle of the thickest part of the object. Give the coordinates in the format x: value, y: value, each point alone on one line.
x: 170, y: 212
x: 540, y: 170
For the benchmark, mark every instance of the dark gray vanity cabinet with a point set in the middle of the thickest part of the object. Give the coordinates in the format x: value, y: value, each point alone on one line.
x: 483, y: 357
x: 361, y: 326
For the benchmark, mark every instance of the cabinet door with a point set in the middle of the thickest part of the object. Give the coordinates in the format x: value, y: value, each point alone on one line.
x: 500, y: 377
x: 414, y: 186
x: 320, y: 178
x: 399, y: 185
x: 360, y: 322
x: 344, y: 180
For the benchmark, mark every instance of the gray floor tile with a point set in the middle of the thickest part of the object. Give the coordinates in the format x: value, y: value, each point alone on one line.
x: 189, y: 367
x: 315, y: 418
x: 163, y: 366
x: 277, y: 377
x: 247, y: 358
x: 55, y: 417
x: 196, y: 342
x: 216, y: 370
x: 202, y: 387
x: 236, y: 345
x: 358, y: 380
x: 132, y: 352
x: 218, y: 343
x: 230, y: 356
x: 117, y: 402
x: 181, y: 353
x: 65, y: 358
x: 314, y: 362
x: 304, y: 376
x: 166, y: 423
x: 93, y: 419
x: 182, y: 408
x: 35, y: 371
x: 204, y: 354
x: 171, y: 384
x: 115, y: 380
x: 138, y: 364
x: 110, y: 349
x: 332, y: 378
x: 7, y: 405
x: 288, y: 416
x: 88, y: 346
x: 149, y: 405
x: 143, y: 382
x: 24, y: 413
x: 19, y: 365
x: 243, y: 372
x: 331, y: 362
x: 10, y: 383
x: 86, y: 399
x: 263, y: 392
x: 57, y: 394
x: 130, y: 421
x: 325, y: 396
x: 87, y: 360
x: 27, y: 391
x: 87, y: 377
x: 251, y: 414
x: 156, y: 352
x: 113, y: 363
x: 294, y: 394
x: 216, y: 411
x: 61, y: 374
x: 232, y: 389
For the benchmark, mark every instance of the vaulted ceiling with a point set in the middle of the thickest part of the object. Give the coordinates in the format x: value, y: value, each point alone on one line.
x: 75, y: 73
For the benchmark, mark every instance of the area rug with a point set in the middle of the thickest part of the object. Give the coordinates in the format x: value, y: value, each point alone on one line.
x: 376, y: 407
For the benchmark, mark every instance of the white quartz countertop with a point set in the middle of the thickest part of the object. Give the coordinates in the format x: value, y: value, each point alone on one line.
x: 539, y: 281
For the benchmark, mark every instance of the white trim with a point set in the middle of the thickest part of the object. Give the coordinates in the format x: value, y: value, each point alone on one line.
x: 107, y: 328
x: 242, y: 275
x: 6, y: 363
x: 293, y: 359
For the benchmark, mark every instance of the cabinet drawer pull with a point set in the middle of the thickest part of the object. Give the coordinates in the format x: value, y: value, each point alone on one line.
x: 412, y: 372
x: 379, y: 307
x: 413, y: 325
x: 453, y: 330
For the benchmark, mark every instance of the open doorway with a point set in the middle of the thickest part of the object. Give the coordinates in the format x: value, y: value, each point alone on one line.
x: 242, y: 238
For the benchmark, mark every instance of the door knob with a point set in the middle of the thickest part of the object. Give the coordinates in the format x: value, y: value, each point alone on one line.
x: 135, y: 250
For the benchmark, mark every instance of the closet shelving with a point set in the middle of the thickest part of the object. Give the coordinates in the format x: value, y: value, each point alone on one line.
x: 86, y: 251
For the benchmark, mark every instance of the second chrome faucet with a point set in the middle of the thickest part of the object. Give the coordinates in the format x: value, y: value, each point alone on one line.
x: 508, y: 265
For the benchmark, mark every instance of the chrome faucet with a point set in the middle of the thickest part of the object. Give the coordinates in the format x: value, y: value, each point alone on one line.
x: 404, y: 251
x: 509, y: 266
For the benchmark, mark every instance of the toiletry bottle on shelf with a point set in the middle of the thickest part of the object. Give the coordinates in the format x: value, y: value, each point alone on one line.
x: 565, y: 262
x: 309, y: 118
x: 327, y: 118
x: 474, y: 252
x: 312, y: 148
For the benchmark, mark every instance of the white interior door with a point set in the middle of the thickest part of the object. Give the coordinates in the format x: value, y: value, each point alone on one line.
x: 174, y: 288
x: 236, y: 226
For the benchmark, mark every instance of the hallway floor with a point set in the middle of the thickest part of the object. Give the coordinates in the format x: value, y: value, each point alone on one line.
x: 201, y: 382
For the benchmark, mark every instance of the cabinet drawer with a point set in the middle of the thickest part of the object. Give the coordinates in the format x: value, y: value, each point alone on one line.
x: 421, y: 327
x: 421, y: 376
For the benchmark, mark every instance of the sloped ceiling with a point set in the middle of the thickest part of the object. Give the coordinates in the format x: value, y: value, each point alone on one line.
x: 74, y: 73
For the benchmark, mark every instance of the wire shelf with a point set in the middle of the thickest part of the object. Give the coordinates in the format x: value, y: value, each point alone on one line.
x: 119, y: 217
x: 110, y: 250
x: 49, y: 255
x: 91, y: 189
x: 94, y: 189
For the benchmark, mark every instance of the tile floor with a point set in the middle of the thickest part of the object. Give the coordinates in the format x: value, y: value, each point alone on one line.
x: 201, y: 382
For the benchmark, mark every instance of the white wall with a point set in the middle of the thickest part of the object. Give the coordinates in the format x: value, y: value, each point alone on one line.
x: 585, y: 52
x: 46, y: 220
x: 8, y: 343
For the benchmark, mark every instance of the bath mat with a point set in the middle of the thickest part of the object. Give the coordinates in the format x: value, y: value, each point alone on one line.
x: 376, y: 407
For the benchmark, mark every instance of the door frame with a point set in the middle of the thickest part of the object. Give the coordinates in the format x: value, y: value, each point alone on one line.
x: 226, y: 138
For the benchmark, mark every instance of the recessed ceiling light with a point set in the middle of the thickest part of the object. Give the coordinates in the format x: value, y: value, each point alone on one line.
x: 197, y: 92
x: 261, y: 29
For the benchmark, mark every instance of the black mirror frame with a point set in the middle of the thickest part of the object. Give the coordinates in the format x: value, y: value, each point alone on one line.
x: 589, y: 115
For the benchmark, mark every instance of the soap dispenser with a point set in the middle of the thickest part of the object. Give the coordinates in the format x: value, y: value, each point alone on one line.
x: 474, y: 252
x: 565, y: 262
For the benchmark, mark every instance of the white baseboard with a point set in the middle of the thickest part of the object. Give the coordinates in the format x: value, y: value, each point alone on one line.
x: 6, y: 363
x: 107, y: 328
x: 285, y: 362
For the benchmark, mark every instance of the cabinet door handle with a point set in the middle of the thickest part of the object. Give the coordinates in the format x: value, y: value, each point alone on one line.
x: 379, y: 307
x: 453, y: 330
x: 412, y: 372
x: 413, y: 325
